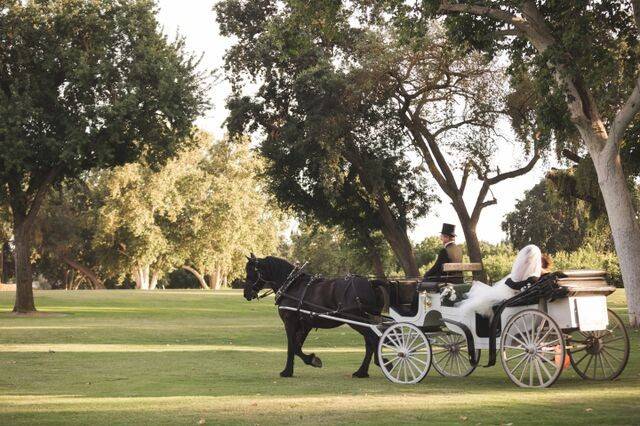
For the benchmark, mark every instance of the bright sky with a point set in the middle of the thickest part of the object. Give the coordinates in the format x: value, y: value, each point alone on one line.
x: 195, y: 20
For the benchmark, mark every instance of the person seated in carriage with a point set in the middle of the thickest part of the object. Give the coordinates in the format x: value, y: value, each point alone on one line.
x: 450, y: 253
x: 529, y: 266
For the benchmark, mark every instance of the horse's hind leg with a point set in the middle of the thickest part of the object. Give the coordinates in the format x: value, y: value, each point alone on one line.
x: 301, y: 336
x: 369, y: 345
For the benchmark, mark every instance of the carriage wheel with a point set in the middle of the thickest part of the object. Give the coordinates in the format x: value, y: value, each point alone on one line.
x: 600, y: 355
x: 451, y: 355
x: 530, y: 344
x: 404, y: 353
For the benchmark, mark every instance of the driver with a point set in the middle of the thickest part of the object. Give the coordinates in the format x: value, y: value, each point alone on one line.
x: 450, y: 253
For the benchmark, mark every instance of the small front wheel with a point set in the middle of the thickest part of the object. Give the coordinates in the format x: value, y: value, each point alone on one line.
x: 404, y: 354
x: 451, y: 355
x: 532, y: 349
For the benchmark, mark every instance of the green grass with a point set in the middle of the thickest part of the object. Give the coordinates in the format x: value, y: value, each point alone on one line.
x: 120, y: 357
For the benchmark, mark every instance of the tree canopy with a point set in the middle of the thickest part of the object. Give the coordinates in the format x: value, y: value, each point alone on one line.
x: 84, y: 84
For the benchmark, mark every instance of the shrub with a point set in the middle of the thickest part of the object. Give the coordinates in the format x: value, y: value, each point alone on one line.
x: 588, y: 257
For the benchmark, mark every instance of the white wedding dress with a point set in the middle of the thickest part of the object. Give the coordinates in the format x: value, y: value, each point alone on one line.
x: 481, y: 297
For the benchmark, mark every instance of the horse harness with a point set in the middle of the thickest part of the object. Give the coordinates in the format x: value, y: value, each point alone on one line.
x: 295, y: 274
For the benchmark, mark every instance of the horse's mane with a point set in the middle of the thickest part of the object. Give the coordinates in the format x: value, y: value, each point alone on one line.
x: 277, y: 266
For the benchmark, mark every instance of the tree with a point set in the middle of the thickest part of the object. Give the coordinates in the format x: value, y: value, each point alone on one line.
x: 226, y: 215
x: 331, y: 253
x: 545, y: 218
x: 84, y: 84
x: 335, y: 151
x: 584, y: 59
x: 450, y: 102
x: 65, y: 230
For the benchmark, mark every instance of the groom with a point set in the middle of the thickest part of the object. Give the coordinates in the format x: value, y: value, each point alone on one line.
x: 450, y: 253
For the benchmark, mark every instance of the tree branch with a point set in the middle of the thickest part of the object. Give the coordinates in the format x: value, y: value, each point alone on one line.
x: 498, y: 14
x: 625, y: 115
x: 570, y: 155
x: 465, y: 176
x: 515, y: 173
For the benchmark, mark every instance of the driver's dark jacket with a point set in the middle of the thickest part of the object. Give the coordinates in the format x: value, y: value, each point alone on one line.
x: 451, y: 253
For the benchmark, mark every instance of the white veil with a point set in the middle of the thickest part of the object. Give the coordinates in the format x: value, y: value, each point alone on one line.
x: 528, y: 263
x: 482, y: 297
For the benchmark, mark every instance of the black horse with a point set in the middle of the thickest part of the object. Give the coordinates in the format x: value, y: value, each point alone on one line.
x: 352, y: 297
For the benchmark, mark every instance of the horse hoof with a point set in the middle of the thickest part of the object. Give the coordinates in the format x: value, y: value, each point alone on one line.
x: 286, y: 374
x: 316, y: 362
x: 359, y: 375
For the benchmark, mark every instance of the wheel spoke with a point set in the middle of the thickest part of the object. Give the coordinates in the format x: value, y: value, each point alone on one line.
x: 604, y: 357
x: 544, y: 366
x: 516, y: 339
x: 606, y: 350
x: 538, y: 371
x: 390, y: 361
x: 418, y: 369
x: 525, y: 337
x: 516, y: 356
x: 604, y: 373
x: 539, y: 330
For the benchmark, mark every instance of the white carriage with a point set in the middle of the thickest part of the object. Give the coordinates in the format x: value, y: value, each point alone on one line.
x: 535, y: 342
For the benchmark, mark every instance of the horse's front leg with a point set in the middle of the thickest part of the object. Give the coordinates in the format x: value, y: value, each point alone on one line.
x: 363, y: 371
x: 309, y: 359
x: 291, y: 327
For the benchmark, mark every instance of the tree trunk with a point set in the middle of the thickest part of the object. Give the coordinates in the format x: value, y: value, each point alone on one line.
x: 198, y: 275
x: 141, y: 275
x: 624, y: 226
x: 472, y: 241
x: 374, y: 254
x: 24, y: 290
x: 84, y: 270
x: 154, y: 281
x: 398, y: 240
x: 6, y: 254
x: 378, y: 267
x: 217, y: 279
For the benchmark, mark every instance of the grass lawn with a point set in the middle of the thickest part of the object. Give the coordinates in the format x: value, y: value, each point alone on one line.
x: 168, y: 357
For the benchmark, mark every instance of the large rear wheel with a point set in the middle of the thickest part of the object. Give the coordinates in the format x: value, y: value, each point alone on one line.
x: 532, y: 349
x: 404, y: 353
x: 603, y: 354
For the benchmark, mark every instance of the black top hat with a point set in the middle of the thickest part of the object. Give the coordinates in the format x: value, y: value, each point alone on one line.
x: 448, y: 229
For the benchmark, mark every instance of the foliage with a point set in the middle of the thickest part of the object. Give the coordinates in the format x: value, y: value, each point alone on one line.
x: 331, y: 253
x: 66, y: 229
x: 204, y: 208
x: 335, y: 149
x: 587, y: 257
x: 547, y: 219
x: 595, y: 43
x: 83, y: 85
x: 427, y: 252
x: 227, y: 214
x: 497, y: 260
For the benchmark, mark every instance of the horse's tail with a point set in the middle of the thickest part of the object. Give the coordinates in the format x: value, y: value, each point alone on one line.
x: 381, y: 291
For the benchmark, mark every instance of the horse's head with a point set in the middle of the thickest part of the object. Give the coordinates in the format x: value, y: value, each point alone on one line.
x: 253, y: 282
x: 269, y: 272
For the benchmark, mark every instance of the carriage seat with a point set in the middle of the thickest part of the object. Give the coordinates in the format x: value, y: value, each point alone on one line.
x: 454, y: 275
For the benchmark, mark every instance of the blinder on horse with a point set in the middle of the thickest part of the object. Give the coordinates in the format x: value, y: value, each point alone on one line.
x: 259, y: 283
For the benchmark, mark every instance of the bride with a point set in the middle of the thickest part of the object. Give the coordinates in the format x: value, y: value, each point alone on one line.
x: 526, y: 269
